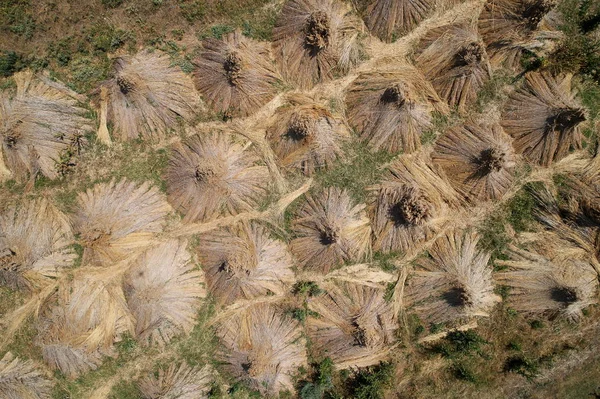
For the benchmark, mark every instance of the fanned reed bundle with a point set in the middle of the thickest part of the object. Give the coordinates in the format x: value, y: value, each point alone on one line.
x: 478, y: 160
x: 39, y: 124
x: 313, y: 39
x: 330, y: 229
x: 306, y: 135
x: 391, y: 109
x: 209, y: 176
x: 147, y: 95
x: 243, y: 262
x: 263, y: 348
x: 35, y: 244
x: 454, y: 282
x: 115, y: 218
x: 544, y: 118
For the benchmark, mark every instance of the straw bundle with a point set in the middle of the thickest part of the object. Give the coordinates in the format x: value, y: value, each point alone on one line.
x: 38, y: 125
x: 355, y: 326
x: 391, y: 109
x: 386, y: 18
x: 544, y: 118
x: 306, y: 135
x: 147, y: 95
x: 478, y: 159
x: 314, y: 39
x: 181, y: 382
x: 21, y: 380
x: 115, y: 218
x: 453, y: 57
x: 235, y: 75
x: 80, y: 324
x: 510, y: 28
x: 262, y: 348
x: 576, y: 220
x: 244, y: 263
x: 330, y: 230
x: 409, y: 204
x: 211, y: 175
x: 560, y: 288
x: 163, y: 292
x: 455, y: 282
x: 35, y: 241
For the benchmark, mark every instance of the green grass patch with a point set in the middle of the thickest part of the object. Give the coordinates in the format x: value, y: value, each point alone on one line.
x: 359, y: 169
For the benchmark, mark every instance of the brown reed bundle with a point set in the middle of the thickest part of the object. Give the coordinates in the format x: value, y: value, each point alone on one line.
x: 352, y: 324
x: 262, y: 348
x: 544, y: 118
x: 20, y: 379
x: 557, y: 287
x: 80, y: 323
x: 39, y: 124
x: 35, y: 244
x: 454, y: 282
x: 235, y: 75
x: 306, y: 135
x: 163, y: 292
x: 386, y: 18
x: 211, y: 175
x: 147, y: 95
x: 453, y: 57
x: 478, y: 160
x: 330, y: 229
x: 391, y: 109
x: 510, y: 28
x: 409, y: 204
x: 183, y: 382
x: 115, y: 218
x: 314, y: 39
x: 243, y: 262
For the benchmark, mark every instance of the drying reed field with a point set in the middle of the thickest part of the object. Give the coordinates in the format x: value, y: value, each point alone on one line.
x: 299, y: 198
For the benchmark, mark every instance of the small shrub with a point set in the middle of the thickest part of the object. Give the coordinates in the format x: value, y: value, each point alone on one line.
x: 112, y: 3
x: 10, y: 62
x: 521, y: 365
x: 463, y: 372
x: 536, y: 324
x: 307, y: 287
x: 371, y: 382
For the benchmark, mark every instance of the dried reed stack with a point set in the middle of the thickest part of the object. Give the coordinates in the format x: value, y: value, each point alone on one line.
x: 147, y: 95
x: 455, y: 282
x: 181, y: 382
x: 312, y: 39
x: 385, y: 18
x: 453, y: 57
x: 211, y: 175
x: 115, y: 218
x: 544, y: 118
x: 243, y: 262
x: 263, y: 348
x: 511, y: 28
x: 409, y: 204
x: 557, y: 287
x: 163, y: 292
x: 235, y: 75
x: 478, y: 160
x: 21, y: 380
x: 38, y: 125
x: 306, y: 135
x: 330, y: 229
x: 355, y: 326
x: 80, y: 323
x: 35, y: 244
x: 391, y: 109
x: 576, y: 220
